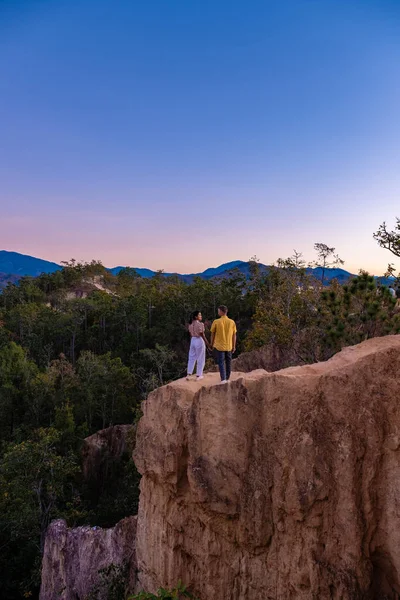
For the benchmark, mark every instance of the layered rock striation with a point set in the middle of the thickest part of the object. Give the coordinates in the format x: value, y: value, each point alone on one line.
x: 278, y: 486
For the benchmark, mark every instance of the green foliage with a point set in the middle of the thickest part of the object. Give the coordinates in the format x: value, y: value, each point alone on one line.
x: 285, y: 306
x: 36, y: 484
x: 106, y: 386
x: 356, y: 312
x: 305, y: 322
x: 180, y: 592
x: 80, y: 349
x: 111, y: 585
x: 390, y: 240
x: 159, y: 360
x: 16, y: 375
x: 326, y: 258
x: 115, y: 494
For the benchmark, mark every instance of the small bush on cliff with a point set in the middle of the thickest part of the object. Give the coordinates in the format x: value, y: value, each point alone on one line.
x: 178, y: 593
x: 355, y: 312
x: 112, y: 583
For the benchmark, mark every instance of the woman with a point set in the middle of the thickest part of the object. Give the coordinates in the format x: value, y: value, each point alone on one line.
x: 198, y: 343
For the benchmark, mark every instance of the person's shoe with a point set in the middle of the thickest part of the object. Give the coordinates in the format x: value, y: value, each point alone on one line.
x: 188, y: 377
x: 223, y: 381
x: 199, y: 377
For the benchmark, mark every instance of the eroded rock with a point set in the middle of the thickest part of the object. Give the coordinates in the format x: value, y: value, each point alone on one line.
x: 102, y: 449
x: 277, y: 486
x: 73, y: 558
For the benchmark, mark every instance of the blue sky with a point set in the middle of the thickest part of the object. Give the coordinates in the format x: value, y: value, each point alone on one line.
x: 183, y: 134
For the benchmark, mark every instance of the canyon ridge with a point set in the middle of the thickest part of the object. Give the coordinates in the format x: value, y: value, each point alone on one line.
x: 278, y: 486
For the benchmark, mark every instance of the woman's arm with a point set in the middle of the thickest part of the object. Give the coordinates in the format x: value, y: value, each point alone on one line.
x: 203, y: 335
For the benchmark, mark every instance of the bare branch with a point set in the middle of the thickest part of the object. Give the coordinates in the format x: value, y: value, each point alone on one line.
x: 389, y: 240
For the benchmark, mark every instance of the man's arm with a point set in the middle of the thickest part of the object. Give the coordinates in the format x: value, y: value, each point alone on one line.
x: 234, y: 337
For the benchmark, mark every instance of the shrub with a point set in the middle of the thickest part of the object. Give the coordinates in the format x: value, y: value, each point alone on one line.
x: 178, y: 593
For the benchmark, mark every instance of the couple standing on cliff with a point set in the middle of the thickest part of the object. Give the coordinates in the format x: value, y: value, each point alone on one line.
x: 223, y: 341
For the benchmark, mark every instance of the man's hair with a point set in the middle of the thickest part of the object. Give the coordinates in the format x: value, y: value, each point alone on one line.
x: 223, y: 308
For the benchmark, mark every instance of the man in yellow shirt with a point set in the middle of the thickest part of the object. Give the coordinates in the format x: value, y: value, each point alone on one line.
x: 223, y: 339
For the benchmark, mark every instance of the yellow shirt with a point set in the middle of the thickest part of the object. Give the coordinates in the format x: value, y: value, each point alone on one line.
x: 224, y: 328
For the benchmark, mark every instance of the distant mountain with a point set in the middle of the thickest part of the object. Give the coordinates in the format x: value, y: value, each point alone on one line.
x: 340, y: 274
x: 21, y: 264
x: 224, y: 270
x: 212, y: 272
x: 207, y: 274
x: 14, y: 266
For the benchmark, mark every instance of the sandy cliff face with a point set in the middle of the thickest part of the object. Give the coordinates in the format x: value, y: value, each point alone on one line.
x: 281, y: 485
x: 73, y: 558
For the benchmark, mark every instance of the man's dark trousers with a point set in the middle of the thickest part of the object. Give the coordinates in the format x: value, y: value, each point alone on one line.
x: 224, y: 360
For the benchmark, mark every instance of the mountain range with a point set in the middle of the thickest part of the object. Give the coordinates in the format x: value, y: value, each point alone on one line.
x: 13, y: 266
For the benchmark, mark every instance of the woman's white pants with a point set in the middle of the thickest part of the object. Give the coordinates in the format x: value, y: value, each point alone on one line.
x: 197, y: 353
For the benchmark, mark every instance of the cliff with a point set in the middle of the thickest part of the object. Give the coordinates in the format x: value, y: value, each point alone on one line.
x: 73, y: 559
x: 279, y: 485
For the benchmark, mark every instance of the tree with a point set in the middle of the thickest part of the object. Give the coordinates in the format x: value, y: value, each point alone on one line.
x: 326, y: 259
x: 106, y: 389
x: 16, y: 376
x: 286, y: 306
x: 299, y: 321
x: 254, y: 266
x: 296, y: 261
x: 126, y: 281
x: 159, y: 360
x: 36, y: 486
x: 389, y: 240
x: 353, y: 313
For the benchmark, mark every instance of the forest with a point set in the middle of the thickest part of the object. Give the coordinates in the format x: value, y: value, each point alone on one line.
x: 80, y: 349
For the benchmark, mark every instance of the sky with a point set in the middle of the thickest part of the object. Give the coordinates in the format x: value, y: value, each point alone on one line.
x: 178, y: 135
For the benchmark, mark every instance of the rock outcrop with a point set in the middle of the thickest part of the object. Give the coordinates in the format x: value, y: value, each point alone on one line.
x: 277, y: 486
x: 102, y: 449
x: 73, y: 559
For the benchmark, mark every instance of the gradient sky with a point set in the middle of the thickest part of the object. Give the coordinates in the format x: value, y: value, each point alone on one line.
x: 180, y: 134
